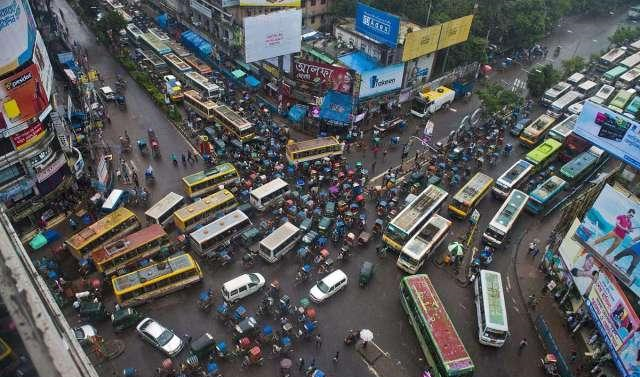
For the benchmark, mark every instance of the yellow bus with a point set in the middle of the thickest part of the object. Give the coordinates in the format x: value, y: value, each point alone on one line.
x: 465, y: 200
x: 314, y: 149
x: 156, y: 280
x: 124, y: 253
x: 203, y: 107
x: 113, y: 226
x: 204, y: 210
x: 535, y: 131
x: 235, y: 125
x: 206, y: 181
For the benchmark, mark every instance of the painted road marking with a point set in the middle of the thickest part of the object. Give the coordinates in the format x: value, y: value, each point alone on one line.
x: 386, y: 354
x: 508, y: 283
x: 462, y: 306
x: 453, y: 109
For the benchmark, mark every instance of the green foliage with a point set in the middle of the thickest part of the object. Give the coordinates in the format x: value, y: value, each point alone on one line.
x: 110, y: 25
x: 541, y: 78
x: 174, y: 115
x: 575, y: 64
x: 624, y: 34
x: 496, y: 98
x: 89, y: 7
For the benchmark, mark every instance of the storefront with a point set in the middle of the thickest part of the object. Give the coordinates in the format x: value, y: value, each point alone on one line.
x: 50, y: 176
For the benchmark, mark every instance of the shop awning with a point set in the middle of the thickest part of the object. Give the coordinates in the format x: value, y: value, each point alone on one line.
x: 297, y: 112
x: 252, y: 81
x: 238, y: 73
x: 336, y: 107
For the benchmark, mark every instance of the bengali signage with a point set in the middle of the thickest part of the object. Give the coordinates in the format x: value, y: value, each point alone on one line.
x: 381, y: 80
x: 28, y: 137
x: 23, y: 97
x: 51, y: 169
x: 274, y: 34
x: 381, y: 26
x: 421, y: 42
x: 18, y: 30
x: 270, y: 3
x: 325, y: 75
x: 455, y: 31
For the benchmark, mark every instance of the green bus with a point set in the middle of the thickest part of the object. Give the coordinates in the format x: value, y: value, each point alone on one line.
x: 633, y: 108
x: 581, y: 165
x: 613, y: 74
x: 438, y: 338
x: 543, y: 154
x: 545, y: 194
x: 620, y: 101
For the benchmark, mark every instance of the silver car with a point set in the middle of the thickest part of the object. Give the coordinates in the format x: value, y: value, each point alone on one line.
x: 84, y: 333
x: 160, y: 337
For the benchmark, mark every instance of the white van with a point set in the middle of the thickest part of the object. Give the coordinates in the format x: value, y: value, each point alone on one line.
x: 555, y: 92
x: 242, y: 286
x: 328, y: 286
x: 604, y: 95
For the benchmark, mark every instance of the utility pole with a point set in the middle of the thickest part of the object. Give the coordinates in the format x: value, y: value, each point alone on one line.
x: 428, y: 13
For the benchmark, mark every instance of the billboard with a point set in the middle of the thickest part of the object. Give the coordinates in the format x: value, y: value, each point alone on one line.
x: 274, y: 34
x: 270, y: 3
x: 41, y: 58
x: 23, y: 97
x: 381, y: 80
x: 18, y: 29
x: 325, y: 75
x: 610, y: 131
x: 29, y: 136
x: 379, y: 25
x: 421, y: 42
x: 455, y: 31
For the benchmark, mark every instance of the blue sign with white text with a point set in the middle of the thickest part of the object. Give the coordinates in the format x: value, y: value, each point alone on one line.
x: 379, y: 25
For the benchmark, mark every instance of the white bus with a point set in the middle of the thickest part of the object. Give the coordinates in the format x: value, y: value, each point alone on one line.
x: 207, y: 239
x: 604, y: 95
x: 162, y: 212
x: 268, y: 194
x: 512, y: 178
x: 279, y: 242
x: 177, y: 65
x: 629, y: 78
x: 505, y: 218
x: 201, y: 84
x: 559, y: 106
x: 491, y: 309
x: 421, y: 246
x: 113, y: 201
x: 562, y: 130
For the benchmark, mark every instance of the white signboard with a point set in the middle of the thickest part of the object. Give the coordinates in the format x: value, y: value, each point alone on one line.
x: 381, y: 80
x: 18, y: 30
x: 270, y: 35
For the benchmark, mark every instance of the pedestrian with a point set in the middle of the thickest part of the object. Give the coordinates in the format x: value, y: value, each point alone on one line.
x: 533, y: 301
x: 532, y: 247
x: 536, y: 250
x: 523, y: 343
x: 318, y: 341
x: 187, y: 338
x: 335, y: 358
x: 301, y: 364
x: 373, y: 167
x: 384, y: 154
x: 574, y: 356
x: 313, y: 363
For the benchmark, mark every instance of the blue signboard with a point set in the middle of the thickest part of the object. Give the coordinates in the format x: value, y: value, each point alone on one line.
x: 379, y: 25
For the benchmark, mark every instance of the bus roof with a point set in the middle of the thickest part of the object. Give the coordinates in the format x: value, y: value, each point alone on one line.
x: 615, y: 72
x: 520, y: 168
x: 158, y: 209
x: 630, y: 75
x: 268, y: 187
x: 542, y: 151
x: 278, y: 236
x: 178, y: 49
x: 428, y: 199
x: 578, y: 164
x: 198, y: 64
x: 509, y: 211
x: 201, y: 80
x: 493, y: 300
x: 621, y: 99
x: 128, y: 242
x: 135, y: 30
x: 112, y: 199
x: 310, y: 144
x: 613, y: 55
x: 548, y: 188
x: 564, y: 128
x: 195, y: 208
x: 175, y: 264
x: 92, y: 231
x: 225, y: 222
x: 427, y: 236
x: 218, y: 169
x: 435, y: 317
x: 631, y: 61
x: 177, y: 63
x: 195, y: 95
x: 539, y: 125
x: 234, y: 118
x: 477, y: 184
x: 155, y: 43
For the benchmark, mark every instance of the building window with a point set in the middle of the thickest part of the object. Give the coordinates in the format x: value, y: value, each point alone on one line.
x: 313, y: 3
x: 11, y: 173
x: 313, y: 20
x: 5, y: 146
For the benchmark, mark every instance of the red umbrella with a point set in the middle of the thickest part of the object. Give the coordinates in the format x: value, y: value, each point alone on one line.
x: 324, y: 253
x: 360, y: 198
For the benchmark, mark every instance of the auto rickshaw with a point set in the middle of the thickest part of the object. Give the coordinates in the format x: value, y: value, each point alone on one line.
x: 324, y: 224
x: 246, y: 327
x: 124, y: 318
x: 366, y: 273
x: 93, y: 311
x: 330, y: 208
x: 203, y: 346
x: 250, y: 236
x: 253, y: 357
x: 363, y: 238
x: 306, y: 224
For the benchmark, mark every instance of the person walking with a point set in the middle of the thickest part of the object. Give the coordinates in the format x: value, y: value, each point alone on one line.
x: 301, y: 364
x: 336, y: 357
x: 532, y: 246
x: 318, y: 341
x: 523, y: 343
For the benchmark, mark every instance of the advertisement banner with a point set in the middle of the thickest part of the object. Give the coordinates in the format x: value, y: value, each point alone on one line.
x: 28, y: 137
x: 455, y: 31
x: 201, y: 8
x: 325, y: 75
x: 51, y: 169
x: 23, y: 97
x: 270, y: 3
x: 18, y: 29
x: 41, y: 58
x: 379, y: 25
x: 381, y: 80
x: 421, y: 42
x: 274, y: 34
x: 610, y: 131
x: 611, y: 231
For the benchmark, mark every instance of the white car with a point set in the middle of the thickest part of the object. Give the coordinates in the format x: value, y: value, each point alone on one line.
x: 242, y: 286
x: 84, y: 333
x: 160, y: 337
x: 107, y: 93
x: 328, y: 286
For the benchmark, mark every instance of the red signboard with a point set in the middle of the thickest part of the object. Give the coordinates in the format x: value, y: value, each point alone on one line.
x: 27, y: 137
x: 23, y: 97
x: 328, y: 76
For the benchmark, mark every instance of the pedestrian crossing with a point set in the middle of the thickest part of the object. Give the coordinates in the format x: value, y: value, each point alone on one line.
x: 518, y: 85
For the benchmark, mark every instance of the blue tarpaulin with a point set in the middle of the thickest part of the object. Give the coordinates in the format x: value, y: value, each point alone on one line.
x: 196, y: 43
x: 163, y: 21
x: 336, y: 107
x: 297, y: 112
x: 359, y: 61
x: 251, y: 81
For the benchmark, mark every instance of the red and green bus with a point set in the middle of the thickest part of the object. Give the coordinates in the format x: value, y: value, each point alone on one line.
x: 438, y: 338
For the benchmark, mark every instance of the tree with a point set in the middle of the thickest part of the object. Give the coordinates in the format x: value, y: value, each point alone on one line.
x: 541, y: 78
x: 623, y: 34
x: 110, y: 25
x: 496, y: 98
x: 89, y: 7
x: 575, y: 64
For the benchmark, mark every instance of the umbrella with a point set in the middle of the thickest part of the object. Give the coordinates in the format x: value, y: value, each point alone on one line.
x: 334, y: 189
x: 285, y: 363
x: 366, y: 335
x: 456, y: 248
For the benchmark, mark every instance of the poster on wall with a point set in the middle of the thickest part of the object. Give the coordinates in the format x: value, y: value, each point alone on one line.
x: 18, y: 29
x: 325, y: 75
x: 455, y: 31
x: 23, y: 97
x: 274, y: 34
x: 421, y: 42
x: 270, y: 3
x: 381, y: 80
x: 381, y: 26
x: 29, y: 136
x: 610, y: 131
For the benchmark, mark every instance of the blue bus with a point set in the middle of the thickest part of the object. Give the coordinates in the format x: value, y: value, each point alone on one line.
x: 545, y: 194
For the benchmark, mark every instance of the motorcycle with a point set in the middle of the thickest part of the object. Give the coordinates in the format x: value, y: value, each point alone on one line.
x: 549, y: 365
x: 303, y: 274
x: 351, y: 338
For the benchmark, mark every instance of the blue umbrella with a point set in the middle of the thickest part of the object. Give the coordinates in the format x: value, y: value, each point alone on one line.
x: 300, y: 182
x: 212, y: 367
x: 267, y: 330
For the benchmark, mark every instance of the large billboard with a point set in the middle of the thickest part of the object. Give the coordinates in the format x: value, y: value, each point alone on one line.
x: 270, y: 3
x: 455, y: 31
x: 325, y: 75
x: 610, y: 131
x: 28, y: 137
x: 274, y: 34
x: 421, y: 42
x: 381, y: 80
x: 379, y: 25
x: 23, y: 97
x: 18, y: 30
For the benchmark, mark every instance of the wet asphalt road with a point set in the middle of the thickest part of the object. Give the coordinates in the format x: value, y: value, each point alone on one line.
x: 375, y: 307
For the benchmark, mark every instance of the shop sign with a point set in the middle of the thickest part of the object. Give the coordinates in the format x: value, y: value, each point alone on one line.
x: 51, y: 169
x: 28, y: 137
